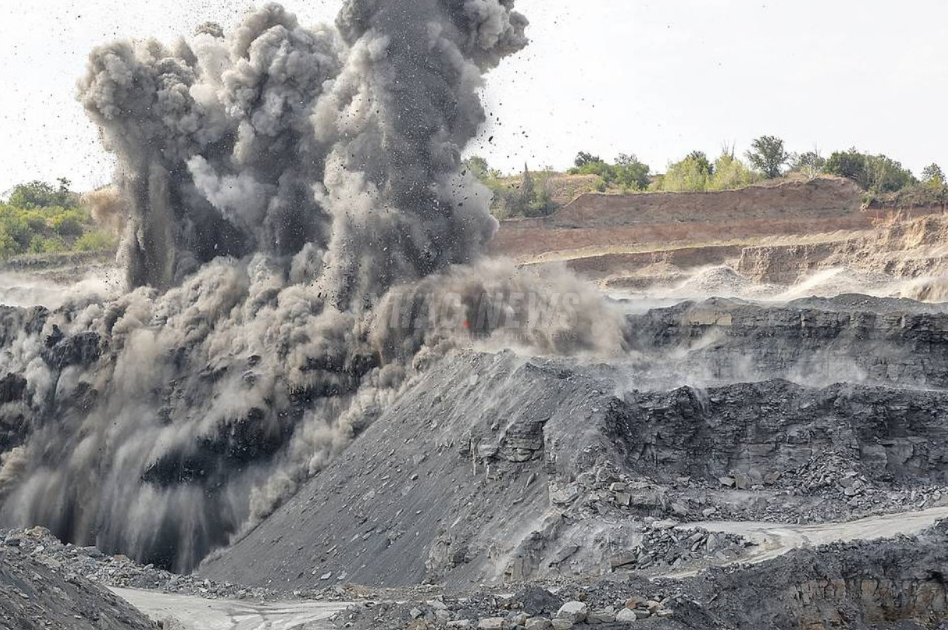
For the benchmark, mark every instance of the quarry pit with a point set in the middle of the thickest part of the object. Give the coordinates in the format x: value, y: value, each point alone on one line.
x: 320, y: 386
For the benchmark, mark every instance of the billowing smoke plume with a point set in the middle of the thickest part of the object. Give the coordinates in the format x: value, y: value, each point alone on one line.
x: 279, y: 181
x: 333, y: 149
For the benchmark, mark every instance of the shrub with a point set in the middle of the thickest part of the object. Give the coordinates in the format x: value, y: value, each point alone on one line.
x: 41, y: 219
x: 583, y: 158
x: 46, y: 244
x: 69, y: 223
x: 850, y: 164
x: 730, y: 173
x: 932, y: 174
x: 689, y: 175
x: 8, y: 246
x: 887, y: 175
x: 628, y: 173
x: 37, y: 194
x: 480, y: 168
x: 96, y: 241
x: 532, y: 198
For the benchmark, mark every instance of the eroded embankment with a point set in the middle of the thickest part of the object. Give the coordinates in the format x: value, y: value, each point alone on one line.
x: 902, y: 249
x: 597, y: 224
x: 772, y: 237
x: 900, y: 256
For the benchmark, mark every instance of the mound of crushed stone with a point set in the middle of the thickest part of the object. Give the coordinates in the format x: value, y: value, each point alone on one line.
x: 721, y: 281
x: 119, y: 571
x: 444, y: 487
x: 40, y: 594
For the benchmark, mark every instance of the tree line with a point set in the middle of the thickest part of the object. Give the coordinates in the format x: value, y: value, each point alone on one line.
x: 766, y: 159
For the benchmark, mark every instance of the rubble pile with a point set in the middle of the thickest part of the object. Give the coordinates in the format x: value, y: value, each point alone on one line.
x: 533, y: 608
x: 118, y: 571
x: 857, y: 585
x: 39, y: 593
x: 665, y: 546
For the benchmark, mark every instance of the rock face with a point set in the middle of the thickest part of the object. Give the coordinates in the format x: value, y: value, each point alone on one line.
x: 854, y: 585
x: 37, y: 594
x: 763, y: 432
x: 851, y: 338
x: 911, y: 248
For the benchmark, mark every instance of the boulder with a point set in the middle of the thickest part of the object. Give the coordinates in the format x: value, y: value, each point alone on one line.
x: 626, y: 615
x: 574, y: 612
x: 606, y: 615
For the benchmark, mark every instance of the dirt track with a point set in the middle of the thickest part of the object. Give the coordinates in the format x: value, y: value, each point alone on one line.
x: 194, y: 613
x: 775, y: 539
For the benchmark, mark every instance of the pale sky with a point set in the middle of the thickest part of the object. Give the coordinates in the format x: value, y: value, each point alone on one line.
x: 654, y: 78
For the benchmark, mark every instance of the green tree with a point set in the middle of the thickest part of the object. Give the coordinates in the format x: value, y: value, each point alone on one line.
x: 887, y: 175
x: 531, y: 198
x: 583, y: 158
x: 932, y: 174
x: 542, y: 204
x: 631, y: 173
x: 875, y: 173
x: 41, y: 218
x: 37, y: 194
x: 701, y: 159
x: 69, y: 223
x: 628, y: 173
x: 8, y: 246
x: 479, y: 167
x: 768, y: 156
x: 528, y: 191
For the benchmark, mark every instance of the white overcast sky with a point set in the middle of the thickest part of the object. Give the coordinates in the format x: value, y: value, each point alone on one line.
x: 654, y: 78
